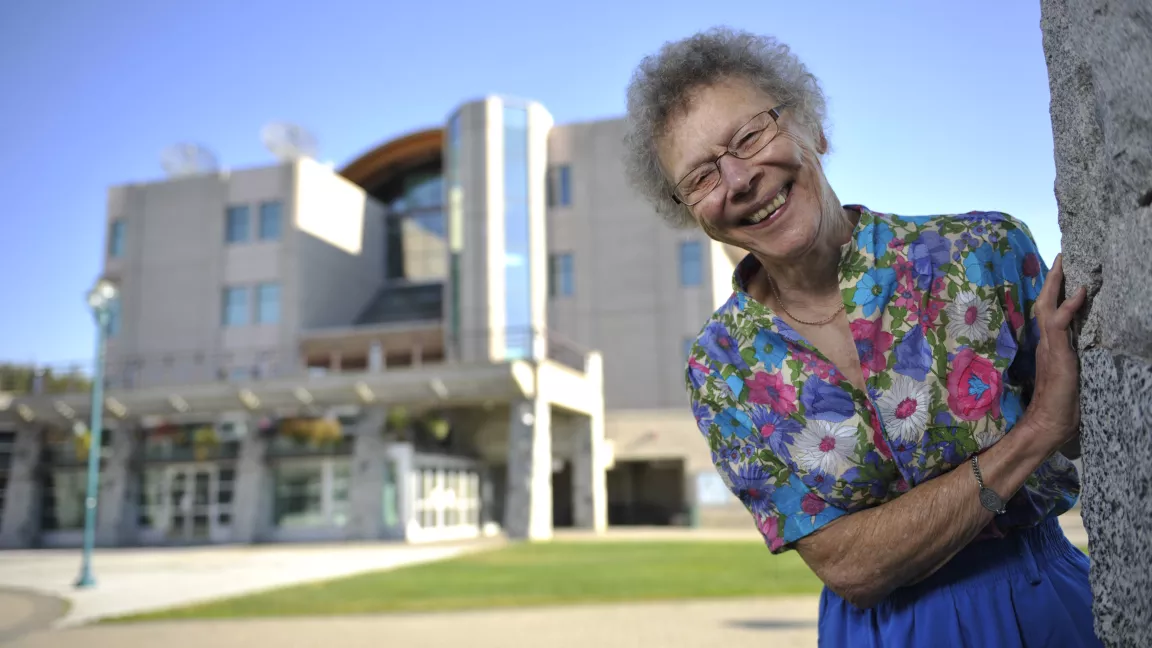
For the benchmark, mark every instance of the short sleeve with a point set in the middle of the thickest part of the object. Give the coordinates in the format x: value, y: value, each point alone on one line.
x: 784, y: 509
x: 1024, y: 274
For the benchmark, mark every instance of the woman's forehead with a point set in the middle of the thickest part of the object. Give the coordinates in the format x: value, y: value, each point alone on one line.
x: 708, y: 120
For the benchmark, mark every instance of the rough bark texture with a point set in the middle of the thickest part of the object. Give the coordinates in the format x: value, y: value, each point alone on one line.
x: 1099, y: 55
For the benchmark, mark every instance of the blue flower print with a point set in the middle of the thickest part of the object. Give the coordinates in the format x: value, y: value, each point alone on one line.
x: 913, y: 355
x: 702, y: 412
x: 825, y: 401
x: 770, y: 349
x: 775, y: 430
x: 927, y: 253
x: 786, y: 331
x: 734, y: 423
x: 1006, y: 342
x: 721, y: 347
x: 1011, y: 409
x: 986, y: 267
x: 753, y: 485
x: 799, y: 506
x: 874, y: 289
x: 875, y: 238
x: 818, y: 481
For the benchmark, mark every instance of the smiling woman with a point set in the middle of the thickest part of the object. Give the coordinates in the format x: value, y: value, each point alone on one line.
x: 862, y: 359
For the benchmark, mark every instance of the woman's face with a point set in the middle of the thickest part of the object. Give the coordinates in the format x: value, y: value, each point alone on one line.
x: 744, y: 209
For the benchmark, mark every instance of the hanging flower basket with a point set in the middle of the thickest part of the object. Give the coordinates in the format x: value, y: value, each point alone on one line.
x: 437, y: 427
x: 205, y: 442
x: 313, y: 431
x: 81, y: 443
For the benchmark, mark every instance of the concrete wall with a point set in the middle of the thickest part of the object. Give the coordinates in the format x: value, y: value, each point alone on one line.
x: 340, y: 247
x: 1099, y: 55
x: 628, y: 301
x: 328, y: 262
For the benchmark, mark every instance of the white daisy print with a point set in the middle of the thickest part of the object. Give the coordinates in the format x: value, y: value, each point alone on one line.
x: 904, y: 409
x: 826, y: 446
x: 970, y: 317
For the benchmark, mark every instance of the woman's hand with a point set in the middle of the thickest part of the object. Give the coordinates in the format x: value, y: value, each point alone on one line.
x: 1053, y: 416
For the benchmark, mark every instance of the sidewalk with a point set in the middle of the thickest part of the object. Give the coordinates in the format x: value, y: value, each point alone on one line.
x: 138, y: 580
x: 780, y: 623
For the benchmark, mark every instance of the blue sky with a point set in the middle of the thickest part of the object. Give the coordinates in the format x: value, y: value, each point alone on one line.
x: 935, y: 107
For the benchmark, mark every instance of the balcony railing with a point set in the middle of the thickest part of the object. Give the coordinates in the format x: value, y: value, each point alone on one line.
x: 179, y: 368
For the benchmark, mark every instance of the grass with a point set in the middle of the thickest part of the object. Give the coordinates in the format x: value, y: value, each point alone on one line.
x: 533, y: 574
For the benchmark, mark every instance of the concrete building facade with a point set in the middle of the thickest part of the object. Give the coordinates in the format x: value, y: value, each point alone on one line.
x: 466, y: 330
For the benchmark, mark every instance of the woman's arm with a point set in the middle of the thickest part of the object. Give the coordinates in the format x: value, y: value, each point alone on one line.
x: 863, y: 557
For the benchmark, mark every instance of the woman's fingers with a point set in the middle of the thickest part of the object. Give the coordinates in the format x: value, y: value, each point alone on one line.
x: 1062, y: 319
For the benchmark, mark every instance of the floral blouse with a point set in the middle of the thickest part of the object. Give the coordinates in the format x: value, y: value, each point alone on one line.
x: 941, y: 311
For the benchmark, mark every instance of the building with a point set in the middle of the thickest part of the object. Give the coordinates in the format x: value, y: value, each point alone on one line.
x: 467, y: 329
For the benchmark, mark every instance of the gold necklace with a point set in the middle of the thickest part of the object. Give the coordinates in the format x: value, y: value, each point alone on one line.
x: 776, y: 293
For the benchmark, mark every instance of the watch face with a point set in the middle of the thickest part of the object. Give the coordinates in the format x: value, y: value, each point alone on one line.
x: 991, y: 500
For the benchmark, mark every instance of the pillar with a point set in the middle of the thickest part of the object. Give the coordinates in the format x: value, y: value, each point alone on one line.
x: 119, y: 486
x: 250, y: 511
x: 369, y: 460
x: 528, y: 507
x: 589, y: 477
x: 1100, y: 81
x: 20, y: 519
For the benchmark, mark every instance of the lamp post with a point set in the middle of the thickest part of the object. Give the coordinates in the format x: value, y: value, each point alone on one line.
x: 100, y: 300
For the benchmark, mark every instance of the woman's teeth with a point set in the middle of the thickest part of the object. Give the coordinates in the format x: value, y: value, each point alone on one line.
x: 771, y: 207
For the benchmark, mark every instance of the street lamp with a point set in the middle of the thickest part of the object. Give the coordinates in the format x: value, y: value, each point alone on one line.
x: 100, y: 299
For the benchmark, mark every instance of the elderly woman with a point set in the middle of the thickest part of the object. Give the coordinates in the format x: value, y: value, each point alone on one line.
x: 887, y: 395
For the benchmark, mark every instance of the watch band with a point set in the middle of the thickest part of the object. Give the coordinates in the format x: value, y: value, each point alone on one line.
x: 989, y: 499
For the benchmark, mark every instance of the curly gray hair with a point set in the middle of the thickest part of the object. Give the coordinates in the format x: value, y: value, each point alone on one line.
x: 663, y: 83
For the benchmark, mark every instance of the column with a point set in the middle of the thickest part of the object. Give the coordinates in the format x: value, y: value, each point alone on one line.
x: 20, y: 521
x: 119, y: 486
x: 528, y: 508
x: 369, y: 456
x: 589, y: 477
x: 252, y: 491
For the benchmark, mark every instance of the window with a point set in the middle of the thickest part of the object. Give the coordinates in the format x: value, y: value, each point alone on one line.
x: 517, y: 236
x: 561, y: 278
x: 691, y: 263
x: 62, y: 500
x: 312, y: 494
x: 236, y: 226
x: 235, y: 311
x: 559, y: 189
x: 270, y: 213
x: 116, y: 239
x: 113, y: 318
x: 268, y: 303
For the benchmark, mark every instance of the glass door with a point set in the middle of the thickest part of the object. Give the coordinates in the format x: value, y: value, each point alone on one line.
x: 193, y: 491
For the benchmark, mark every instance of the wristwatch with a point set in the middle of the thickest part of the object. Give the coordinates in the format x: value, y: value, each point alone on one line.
x: 989, y: 499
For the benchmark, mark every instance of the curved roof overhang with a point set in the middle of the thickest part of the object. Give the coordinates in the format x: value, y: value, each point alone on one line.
x: 378, y: 165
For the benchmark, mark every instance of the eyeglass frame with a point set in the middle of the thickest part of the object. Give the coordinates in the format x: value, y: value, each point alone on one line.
x: 774, y: 113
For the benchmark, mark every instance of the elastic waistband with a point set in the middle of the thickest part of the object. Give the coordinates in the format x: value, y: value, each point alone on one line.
x: 1020, y: 553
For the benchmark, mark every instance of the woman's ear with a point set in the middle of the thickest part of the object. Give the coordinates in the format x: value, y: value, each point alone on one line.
x: 821, y: 143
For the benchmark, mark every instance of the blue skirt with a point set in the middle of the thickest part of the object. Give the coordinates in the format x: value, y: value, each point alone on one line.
x: 1028, y: 589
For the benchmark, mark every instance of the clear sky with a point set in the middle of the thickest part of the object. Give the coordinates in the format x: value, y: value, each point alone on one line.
x: 935, y: 107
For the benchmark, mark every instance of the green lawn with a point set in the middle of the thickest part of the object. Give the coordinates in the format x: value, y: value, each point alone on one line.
x: 535, y: 574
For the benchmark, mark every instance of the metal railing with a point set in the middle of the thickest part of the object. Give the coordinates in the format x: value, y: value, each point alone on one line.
x: 178, y: 368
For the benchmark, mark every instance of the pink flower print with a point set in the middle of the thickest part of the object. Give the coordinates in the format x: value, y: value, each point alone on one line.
x: 872, y: 342
x: 811, y: 504
x: 770, y: 529
x: 771, y: 390
x: 907, y: 296
x: 1015, y: 317
x: 878, y: 436
x: 896, y: 244
x: 813, y: 364
x: 973, y: 386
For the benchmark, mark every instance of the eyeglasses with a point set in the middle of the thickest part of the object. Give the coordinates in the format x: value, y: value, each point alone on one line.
x: 748, y: 141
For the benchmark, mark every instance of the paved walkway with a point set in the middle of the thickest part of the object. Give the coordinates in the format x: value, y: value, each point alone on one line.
x: 138, y: 580
x: 780, y: 623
